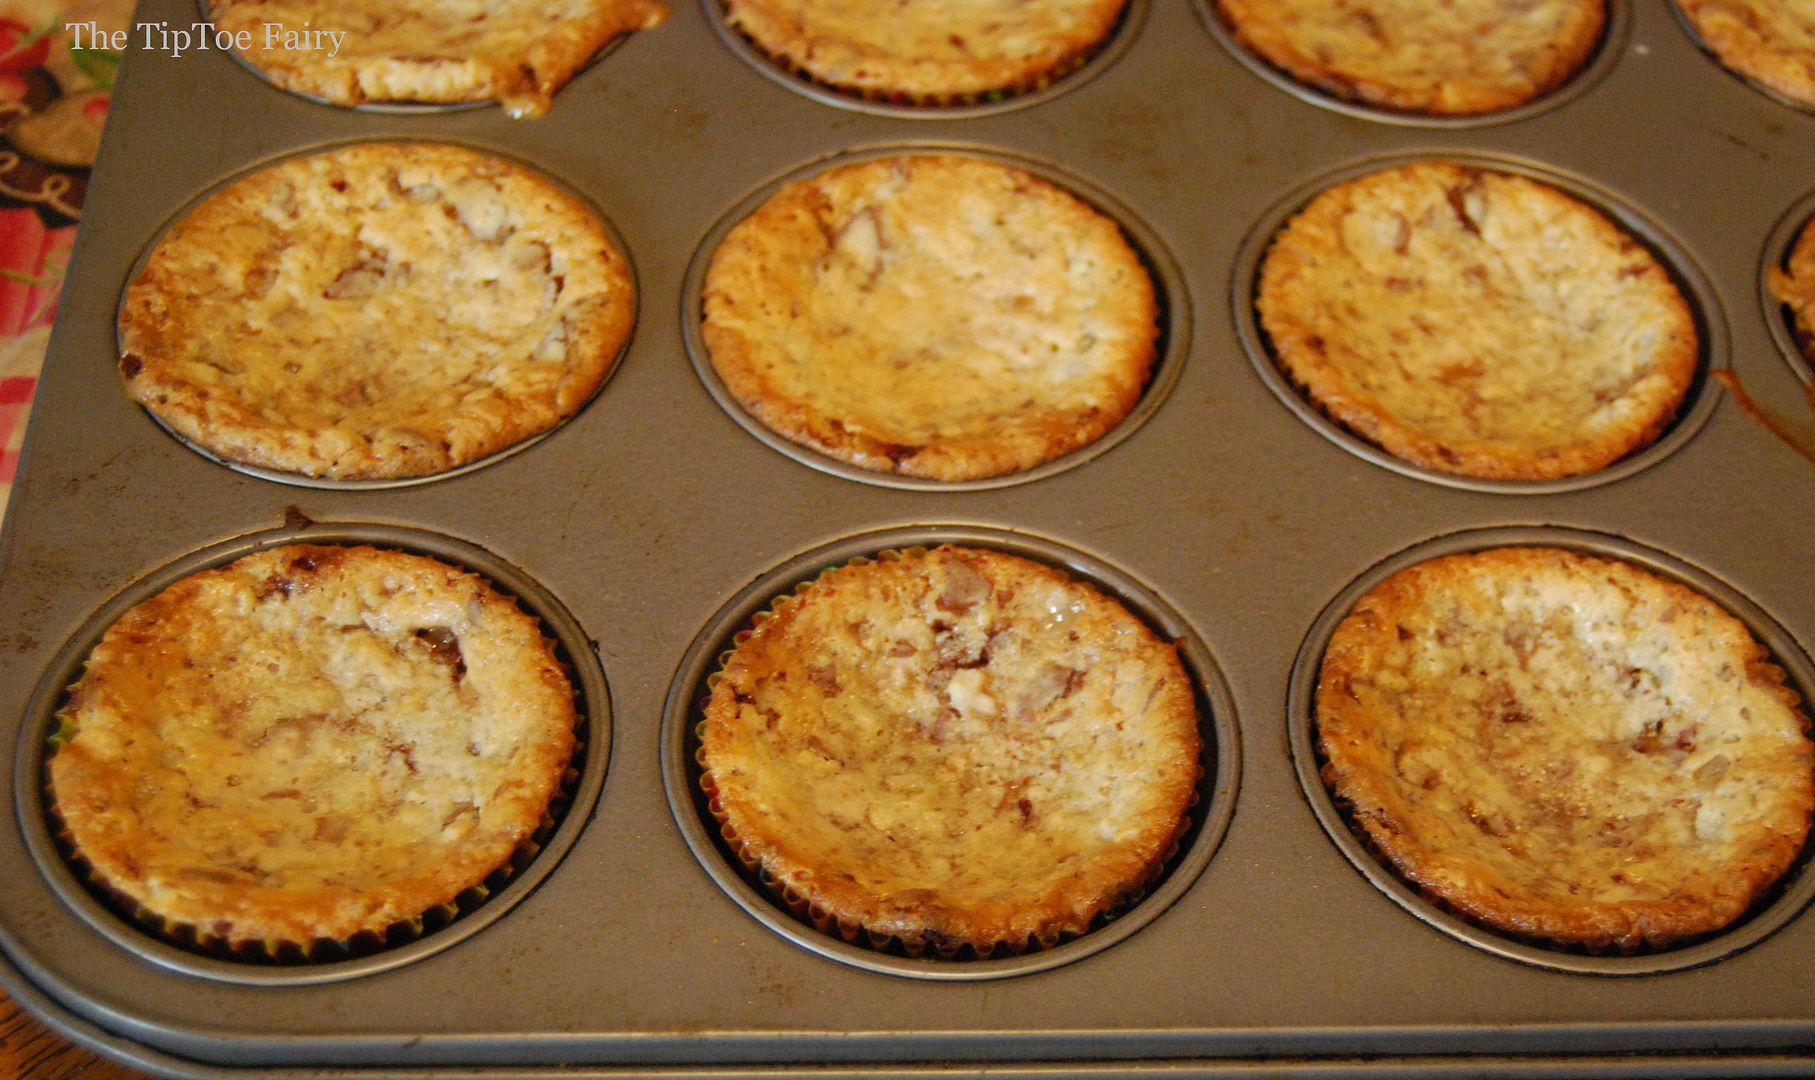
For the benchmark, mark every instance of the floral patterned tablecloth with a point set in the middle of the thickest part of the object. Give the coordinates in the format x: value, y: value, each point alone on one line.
x: 53, y: 103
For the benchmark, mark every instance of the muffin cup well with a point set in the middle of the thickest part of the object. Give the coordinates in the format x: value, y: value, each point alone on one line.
x: 1069, y: 73
x: 301, y: 479
x: 691, y: 793
x: 1796, y: 346
x: 395, y: 108
x: 1696, y: 407
x: 1775, y: 908
x: 1734, y: 70
x: 1600, y: 62
x: 1171, y: 346
x: 196, y: 950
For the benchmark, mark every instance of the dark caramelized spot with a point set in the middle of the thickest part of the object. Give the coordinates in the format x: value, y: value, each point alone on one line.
x: 825, y: 677
x: 1458, y: 204
x: 444, y: 646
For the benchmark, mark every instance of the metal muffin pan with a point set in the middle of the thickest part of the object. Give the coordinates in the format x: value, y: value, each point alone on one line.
x: 684, y: 712
x: 591, y: 701
x: 1170, y: 347
x: 653, y: 509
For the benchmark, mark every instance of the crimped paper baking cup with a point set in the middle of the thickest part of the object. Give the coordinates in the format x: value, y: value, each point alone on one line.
x: 211, y: 949
x: 273, y: 951
x: 1692, y: 412
x: 1775, y: 907
x: 1067, y: 73
x: 694, y: 792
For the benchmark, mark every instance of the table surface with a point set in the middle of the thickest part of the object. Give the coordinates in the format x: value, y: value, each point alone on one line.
x: 28, y: 1049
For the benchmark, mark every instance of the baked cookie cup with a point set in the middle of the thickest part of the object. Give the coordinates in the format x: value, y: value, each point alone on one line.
x: 1462, y: 59
x: 1570, y: 750
x: 939, y: 316
x: 1477, y: 322
x: 1770, y: 44
x: 440, y: 52
x: 955, y: 753
x: 312, y: 752
x: 926, y: 54
x: 374, y: 312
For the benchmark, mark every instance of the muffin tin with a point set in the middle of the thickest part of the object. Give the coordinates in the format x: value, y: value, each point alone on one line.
x: 654, y: 517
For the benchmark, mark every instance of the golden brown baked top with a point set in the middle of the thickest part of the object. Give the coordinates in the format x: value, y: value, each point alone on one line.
x: 1477, y: 323
x: 938, y: 316
x: 350, y: 52
x: 377, y: 310
x: 959, y: 746
x: 1768, y: 41
x: 1457, y: 58
x: 930, y: 49
x: 1794, y: 286
x: 1566, y: 747
x: 311, y: 742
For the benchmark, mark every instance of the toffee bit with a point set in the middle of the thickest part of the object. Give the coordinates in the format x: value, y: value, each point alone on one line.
x: 444, y: 646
